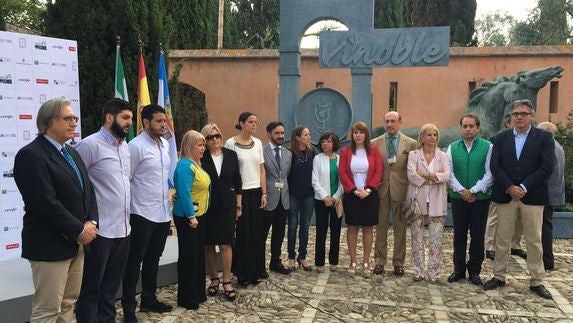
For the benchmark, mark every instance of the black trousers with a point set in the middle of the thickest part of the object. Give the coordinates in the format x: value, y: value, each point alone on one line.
x: 547, y: 237
x: 472, y: 216
x: 276, y: 218
x: 104, y: 264
x: 147, y: 244
x: 326, y: 217
x: 190, y: 264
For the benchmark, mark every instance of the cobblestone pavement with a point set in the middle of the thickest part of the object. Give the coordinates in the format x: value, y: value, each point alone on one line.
x: 307, y: 297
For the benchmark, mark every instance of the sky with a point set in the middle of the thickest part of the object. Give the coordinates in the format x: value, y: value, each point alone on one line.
x: 519, y: 9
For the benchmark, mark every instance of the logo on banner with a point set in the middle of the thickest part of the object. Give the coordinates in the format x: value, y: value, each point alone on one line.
x: 59, y: 64
x: 5, y: 60
x: 6, y: 191
x: 7, y: 135
x: 58, y: 47
x: 43, y: 98
x: 24, y: 61
x: 8, y: 173
x: 41, y: 46
x: 37, y: 62
x: 24, y: 80
x: 6, y: 40
x: 74, y: 66
x: 59, y: 82
x: 22, y: 42
x: 25, y: 98
x: 7, y: 154
x: 26, y: 135
x: 42, y: 81
x: 74, y: 84
x: 4, y: 97
x: 6, y: 116
x: 12, y: 246
x: 6, y: 79
x: 12, y: 209
x: 72, y: 48
x: 25, y: 117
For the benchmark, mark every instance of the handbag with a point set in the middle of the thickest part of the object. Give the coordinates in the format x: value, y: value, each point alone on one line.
x: 339, y: 208
x: 410, y: 208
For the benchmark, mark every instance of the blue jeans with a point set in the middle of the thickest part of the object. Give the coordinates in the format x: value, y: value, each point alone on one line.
x: 300, y: 211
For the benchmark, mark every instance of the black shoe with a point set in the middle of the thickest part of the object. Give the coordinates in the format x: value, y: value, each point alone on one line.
x: 490, y: 254
x: 155, y: 306
x: 264, y: 275
x: 129, y: 317
x: 190, y: 306
x: 519, y: 252
x: 493, y: 284
x: 475, y: 279
x: 378, y: 270
x: 541, y: 291
x: 456, y: 276
x: 398, y: 271
x: 548, y: 267
x: 279, y: 268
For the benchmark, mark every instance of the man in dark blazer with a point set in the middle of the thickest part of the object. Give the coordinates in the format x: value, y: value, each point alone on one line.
x: 521, y: 162
x: 277, y: 166
x: 61, y: 212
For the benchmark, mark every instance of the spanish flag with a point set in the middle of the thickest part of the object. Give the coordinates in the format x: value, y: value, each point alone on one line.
x: 142, y: 92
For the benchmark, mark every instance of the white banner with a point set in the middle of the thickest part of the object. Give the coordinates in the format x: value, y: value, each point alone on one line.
x: 33, y: 69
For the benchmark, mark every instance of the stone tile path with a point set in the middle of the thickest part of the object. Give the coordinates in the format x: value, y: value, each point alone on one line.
x: 307, y: 297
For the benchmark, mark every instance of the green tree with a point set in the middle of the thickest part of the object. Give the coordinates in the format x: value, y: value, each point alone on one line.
x: 493, y: 29
x: 27, y: 14
x: 193, y: 23
x: 552, y: 22
x: 389, y: 14
x: 94, y: 24
x: 255, y: 23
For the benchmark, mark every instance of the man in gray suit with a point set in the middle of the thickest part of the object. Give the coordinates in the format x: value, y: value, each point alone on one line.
x: 556, y: 186
x: 277, y: 167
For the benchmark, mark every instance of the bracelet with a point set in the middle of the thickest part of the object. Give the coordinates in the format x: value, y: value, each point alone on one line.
x: 239, y: 207
x: 264, y: 194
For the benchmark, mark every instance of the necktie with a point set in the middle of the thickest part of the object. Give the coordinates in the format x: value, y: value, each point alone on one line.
x: 278, y: 156
x: 73, y: 164
x: 392, y: 147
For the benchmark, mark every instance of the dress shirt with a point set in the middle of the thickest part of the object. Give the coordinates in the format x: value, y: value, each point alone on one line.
x: 480, y: 186
x: 107, y: 161
x: 519, y: 143
x: 150, y: 178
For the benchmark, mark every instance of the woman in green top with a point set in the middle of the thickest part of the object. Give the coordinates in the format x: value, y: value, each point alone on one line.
x: 192, y: 185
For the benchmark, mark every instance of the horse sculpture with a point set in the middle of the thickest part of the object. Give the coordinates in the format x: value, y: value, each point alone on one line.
x: 493, y: 99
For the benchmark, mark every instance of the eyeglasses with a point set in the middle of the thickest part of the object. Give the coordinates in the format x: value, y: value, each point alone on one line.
x: 215, y: 136
x: 69, y: 119
x: 520, y: 114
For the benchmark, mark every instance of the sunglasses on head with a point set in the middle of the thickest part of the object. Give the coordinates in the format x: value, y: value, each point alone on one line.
x: 215, y: 136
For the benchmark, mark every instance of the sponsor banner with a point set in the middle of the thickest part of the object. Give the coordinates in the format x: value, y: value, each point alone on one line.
x: 33, y: 69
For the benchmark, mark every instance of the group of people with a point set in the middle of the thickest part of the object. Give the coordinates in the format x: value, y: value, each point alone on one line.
x: 98, y: 214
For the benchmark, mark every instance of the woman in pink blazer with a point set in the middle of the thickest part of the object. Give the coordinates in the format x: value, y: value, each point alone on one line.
x: 428, y: 174
x: 360, y: 172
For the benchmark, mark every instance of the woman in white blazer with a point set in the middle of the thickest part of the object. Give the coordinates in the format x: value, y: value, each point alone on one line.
x: 327, y: 191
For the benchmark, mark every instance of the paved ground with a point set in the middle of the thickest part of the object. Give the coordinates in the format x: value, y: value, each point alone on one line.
x: 338, y: 297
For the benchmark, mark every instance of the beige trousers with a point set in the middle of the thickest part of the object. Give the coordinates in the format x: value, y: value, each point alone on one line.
x: 531, y: 219
x: 399, y: 225
x: 489, y: 241
x: 57, y: 287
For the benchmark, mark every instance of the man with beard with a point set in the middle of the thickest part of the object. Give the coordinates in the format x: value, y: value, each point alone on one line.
x: 106, y: 156
x: 277, y: 167
x: 150, y: 214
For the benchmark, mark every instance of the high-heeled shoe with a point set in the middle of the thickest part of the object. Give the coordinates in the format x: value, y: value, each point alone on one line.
x: 304, y: 264
x: 366, y: 272
x: 213, y: 289
x: 230, y: 294
x: 352, y: 268
x: 291, y: 264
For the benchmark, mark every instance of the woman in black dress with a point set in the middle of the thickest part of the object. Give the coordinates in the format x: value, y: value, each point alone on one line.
x: 222, y: 165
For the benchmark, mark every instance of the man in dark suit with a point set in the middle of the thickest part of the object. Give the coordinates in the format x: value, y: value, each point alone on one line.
x: 277, y: 167
x: 61, y: 212
x: 521, y: 162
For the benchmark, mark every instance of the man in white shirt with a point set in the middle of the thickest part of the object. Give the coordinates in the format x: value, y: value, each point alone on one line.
x: 106, y: 156
x: 150, y: 215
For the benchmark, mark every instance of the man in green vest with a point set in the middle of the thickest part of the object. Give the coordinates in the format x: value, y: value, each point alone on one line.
x: 470, y: 195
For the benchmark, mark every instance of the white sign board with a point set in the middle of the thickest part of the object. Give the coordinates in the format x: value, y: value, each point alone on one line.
x: 33, y: 69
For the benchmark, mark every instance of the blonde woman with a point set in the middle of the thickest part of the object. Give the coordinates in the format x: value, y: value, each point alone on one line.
x: 428, y: 174
x: 222, y: 165
x: 192, y: 185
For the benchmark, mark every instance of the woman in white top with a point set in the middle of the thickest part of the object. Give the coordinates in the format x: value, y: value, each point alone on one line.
x: 248, y: 259
x: 428, y: 173
x: 327, y: 192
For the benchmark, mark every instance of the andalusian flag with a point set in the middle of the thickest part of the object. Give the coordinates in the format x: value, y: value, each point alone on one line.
x: 163, y: 100
x: 142, y: 92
